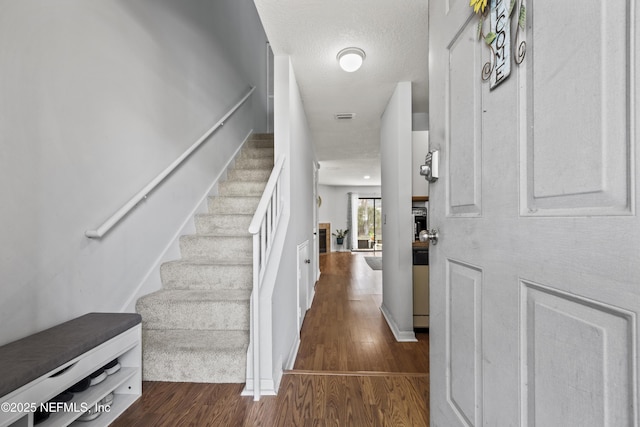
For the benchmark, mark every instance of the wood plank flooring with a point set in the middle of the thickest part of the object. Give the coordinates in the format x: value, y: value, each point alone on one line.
x: 303, y: 400
x: 349, y: 370
x: 345, y: 331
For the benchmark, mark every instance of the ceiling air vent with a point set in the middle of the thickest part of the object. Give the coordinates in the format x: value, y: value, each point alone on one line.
x: 344, y: 116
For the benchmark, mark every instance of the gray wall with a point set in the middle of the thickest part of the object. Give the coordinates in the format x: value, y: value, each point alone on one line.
x: 97, y: 99
x: 397, y: 274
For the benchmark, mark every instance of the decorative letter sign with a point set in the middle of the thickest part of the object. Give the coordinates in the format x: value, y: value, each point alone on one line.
x: 499, y: 38
x: 501, y: 43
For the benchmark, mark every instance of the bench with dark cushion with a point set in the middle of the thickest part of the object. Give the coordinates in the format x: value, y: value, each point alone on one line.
x: 27, y: 359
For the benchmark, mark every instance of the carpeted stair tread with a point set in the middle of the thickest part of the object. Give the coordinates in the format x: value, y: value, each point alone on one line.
x: 260, y: 143
x: 242, y: 188
x: 216, y: 246
x: 240, y: 235
x: 207, y: 273
x: 196, y: 328
x: 200, y: 261
x: 195, y: 356
x: 226, y: 309
x: 249, y: 174
x: 199, y: 295
x: 184, y: 284
x: 262, y: 135
x: 226, y: 218
x: 257, y: 152
x: 223, y: 224
x: 245, y: 163
x: 186, y: 339
x: 233, y: 204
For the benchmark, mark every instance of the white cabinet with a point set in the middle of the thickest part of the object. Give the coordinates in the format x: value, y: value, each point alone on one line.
x: 126, y: 384
x: 420, y: 296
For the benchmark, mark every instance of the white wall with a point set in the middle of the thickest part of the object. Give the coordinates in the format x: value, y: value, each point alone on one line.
x: 419, y: 149
x: 292, y: 139
x: 335, y: 202
x: 395, y: 152
x: 97, y: 99
x: 420, y: 121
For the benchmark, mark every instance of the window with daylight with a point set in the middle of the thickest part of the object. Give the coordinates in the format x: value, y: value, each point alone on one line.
x: 370, y: 224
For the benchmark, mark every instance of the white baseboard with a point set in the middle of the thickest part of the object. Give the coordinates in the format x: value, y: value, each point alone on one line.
x: 267, y: 388
x: 312, y: 295
x: 293, y: 353
x: 277, y: 378
x: 401, y: 336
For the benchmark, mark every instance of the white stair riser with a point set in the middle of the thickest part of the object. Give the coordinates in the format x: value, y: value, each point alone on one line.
x: 216, y: 247
x: 223, y: 224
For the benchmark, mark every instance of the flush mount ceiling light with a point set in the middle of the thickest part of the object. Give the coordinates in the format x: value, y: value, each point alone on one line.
x: 351, y: 58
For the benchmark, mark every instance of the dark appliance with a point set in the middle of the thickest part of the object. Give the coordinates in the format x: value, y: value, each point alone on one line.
x: 420, y: 288
x: 323, y: 241
x: 419, y: 222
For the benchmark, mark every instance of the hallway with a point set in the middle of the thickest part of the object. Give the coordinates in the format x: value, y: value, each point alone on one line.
x: 345, y: 330
x: 349, y: 371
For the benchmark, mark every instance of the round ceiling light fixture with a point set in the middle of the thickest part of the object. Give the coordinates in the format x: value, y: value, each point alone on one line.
x: 351, y: 59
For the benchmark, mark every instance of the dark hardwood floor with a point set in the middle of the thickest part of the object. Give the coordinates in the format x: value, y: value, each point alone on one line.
x: 345, y: 331
x: 350, y: 371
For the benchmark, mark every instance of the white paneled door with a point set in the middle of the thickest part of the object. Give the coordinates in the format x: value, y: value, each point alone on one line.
x: 535, y: 281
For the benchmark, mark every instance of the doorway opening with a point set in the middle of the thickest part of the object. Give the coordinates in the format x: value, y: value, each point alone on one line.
x: 369, y: 237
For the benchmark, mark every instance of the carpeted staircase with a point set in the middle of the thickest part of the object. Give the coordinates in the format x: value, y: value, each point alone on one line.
x: 196, y: 328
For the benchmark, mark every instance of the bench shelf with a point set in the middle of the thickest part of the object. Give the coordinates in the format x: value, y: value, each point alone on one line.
x: 126, y: 384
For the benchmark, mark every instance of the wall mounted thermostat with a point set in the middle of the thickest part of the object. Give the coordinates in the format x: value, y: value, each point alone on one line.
x: 430, y: 169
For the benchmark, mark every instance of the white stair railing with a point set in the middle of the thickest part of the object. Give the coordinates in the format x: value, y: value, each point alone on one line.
x: 99, y: 232
x: 263, y: 227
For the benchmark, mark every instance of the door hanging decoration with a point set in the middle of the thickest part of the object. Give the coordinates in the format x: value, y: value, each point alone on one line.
x: 498, y: 39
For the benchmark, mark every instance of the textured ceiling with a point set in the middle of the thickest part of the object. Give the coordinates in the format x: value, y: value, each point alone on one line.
x: 393, y: 33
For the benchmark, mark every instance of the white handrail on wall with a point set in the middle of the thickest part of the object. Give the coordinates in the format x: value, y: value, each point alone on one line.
x: 142, y: 194
x: 263, y: 227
